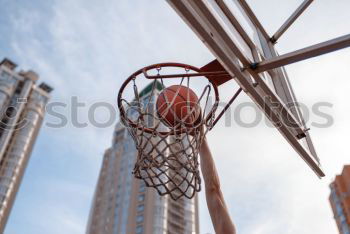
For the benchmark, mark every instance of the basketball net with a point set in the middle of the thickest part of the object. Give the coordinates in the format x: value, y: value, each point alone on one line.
x: 167, y: 157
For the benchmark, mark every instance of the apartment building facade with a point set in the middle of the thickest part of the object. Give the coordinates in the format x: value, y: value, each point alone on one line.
x: 340, y: 200
x: 123, y: 204
x: 22, y: 109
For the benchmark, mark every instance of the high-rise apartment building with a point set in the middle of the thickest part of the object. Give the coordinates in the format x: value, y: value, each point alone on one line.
x: 123, y: 204
x: 22, y: 108
x: 340, y: 200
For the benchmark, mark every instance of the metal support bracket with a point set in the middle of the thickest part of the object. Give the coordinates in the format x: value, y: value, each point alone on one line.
x: 226, y: 107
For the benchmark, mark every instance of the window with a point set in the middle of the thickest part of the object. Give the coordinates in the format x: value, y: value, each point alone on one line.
x: 158, y: 210
x: 141, y: 197
x: 3, y: 190
x: 2, y: 198
x: 19, y: 86
x: 142, y: 187
x: 338, y: 208
x: 345, y: 228
x: 6, y: 75
x: 139, y: 229
x: 342, y: 218
x: 139, y: 218
x: 119, y: 135
x: 140, y: 207
x: 9, y: 171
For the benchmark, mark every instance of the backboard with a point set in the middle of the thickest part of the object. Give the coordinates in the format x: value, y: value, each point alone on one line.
x: 234, y: 35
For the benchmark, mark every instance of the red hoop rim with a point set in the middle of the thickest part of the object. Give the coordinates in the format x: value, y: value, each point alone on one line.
x: 160, y: 65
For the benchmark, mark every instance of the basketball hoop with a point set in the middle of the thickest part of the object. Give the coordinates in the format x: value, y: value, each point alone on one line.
x: 168, y: 153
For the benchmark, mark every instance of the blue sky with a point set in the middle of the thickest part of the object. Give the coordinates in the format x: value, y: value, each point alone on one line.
x: 86, y: 48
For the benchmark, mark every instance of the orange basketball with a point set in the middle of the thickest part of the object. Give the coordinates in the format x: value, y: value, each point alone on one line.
x: 178, y: 104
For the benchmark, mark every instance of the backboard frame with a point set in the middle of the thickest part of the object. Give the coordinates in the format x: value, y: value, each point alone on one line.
x: 250, y: 73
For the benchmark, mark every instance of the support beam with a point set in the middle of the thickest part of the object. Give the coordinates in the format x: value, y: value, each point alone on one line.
x: 249, y: 12
x: 208, y: 19
x: 228, y: 13
x: 302, y: 54
x: 291, y: 20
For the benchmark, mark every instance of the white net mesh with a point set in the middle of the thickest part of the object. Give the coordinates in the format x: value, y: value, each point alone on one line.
x: 167, y: 155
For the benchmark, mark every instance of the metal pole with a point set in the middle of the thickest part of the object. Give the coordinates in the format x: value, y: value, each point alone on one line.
x: 291, y: 20
x: 205, y: 13
x: 207, y: 74
x: 244, y: 5
x: 302, y: 54
x: 227, y: 12
x: 226, y: 107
